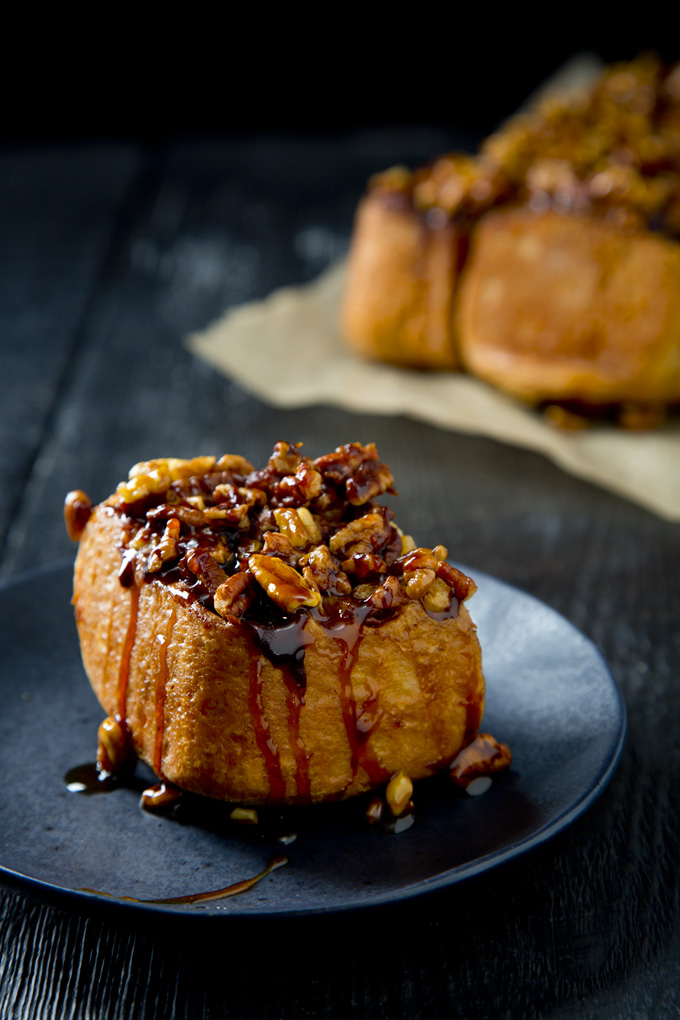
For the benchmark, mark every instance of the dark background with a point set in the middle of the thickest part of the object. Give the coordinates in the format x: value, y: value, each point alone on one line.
x: 329, y: 70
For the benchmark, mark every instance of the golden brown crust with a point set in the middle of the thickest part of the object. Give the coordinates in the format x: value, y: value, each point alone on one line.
x: 571, y: 289
x: 565, y: 307
x: 401, y: 278
x: 165, y: 663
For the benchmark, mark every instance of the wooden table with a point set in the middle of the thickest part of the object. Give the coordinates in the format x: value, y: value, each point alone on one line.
x: 109, y: 255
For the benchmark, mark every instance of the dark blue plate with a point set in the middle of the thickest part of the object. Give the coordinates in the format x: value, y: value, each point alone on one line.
x: 550, y: 696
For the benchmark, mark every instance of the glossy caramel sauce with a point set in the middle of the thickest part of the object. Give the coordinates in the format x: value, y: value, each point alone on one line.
x: 268, y: 748
x: 202, y: 897
x: 89, y: 779
x: 345, y: 621
x: 294, y: 701
x: 203, y: 530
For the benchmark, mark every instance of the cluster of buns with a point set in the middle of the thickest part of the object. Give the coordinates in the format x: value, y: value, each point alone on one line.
x: 270, y: 636
x: 548, y: 264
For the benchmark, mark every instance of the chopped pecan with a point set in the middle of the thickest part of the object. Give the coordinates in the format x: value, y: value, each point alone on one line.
x: 186, y: 514
x: 338, y: 466
x: 327, y: 575
x: 310, y: 579
x: 365, y: 565
x: 283, y: 584
x: 285, y: 458
x: 234, y: 464
x: 369, y: 480
x: 252, y: 497
x: 364, y: 535
x: 155, y: 476
x: 167, y: 548
x: 483, y: 757
x: 418, y: 559
x: 310, y: 524
x: 235, y: 595
x: 292, y: 526
x: 300, y: 488
x: 387, y: 595
x: 276, y: 544
x: 201, y: 563
x: 418, y: 582
x: 462, y: 586
x: 438, y: 597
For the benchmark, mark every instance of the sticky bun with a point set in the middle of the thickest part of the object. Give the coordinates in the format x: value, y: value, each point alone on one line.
x: 548, y: 264
x: 270, y: 636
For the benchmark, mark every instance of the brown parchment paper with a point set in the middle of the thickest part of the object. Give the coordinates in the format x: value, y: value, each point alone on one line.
x: 288, y: 351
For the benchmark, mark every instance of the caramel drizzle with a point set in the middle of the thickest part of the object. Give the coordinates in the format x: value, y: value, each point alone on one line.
x: 217, y: 894
x: 268, y: 748
x: 358, y: 729
x: 473, y: 720
x: 294, y: 702
x: 161, y: 684
x: 124, y: 669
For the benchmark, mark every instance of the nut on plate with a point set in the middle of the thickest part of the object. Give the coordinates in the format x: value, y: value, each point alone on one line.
x: 398, y: 793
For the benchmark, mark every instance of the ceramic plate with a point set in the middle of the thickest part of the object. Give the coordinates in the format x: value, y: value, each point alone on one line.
x: 550, y: 696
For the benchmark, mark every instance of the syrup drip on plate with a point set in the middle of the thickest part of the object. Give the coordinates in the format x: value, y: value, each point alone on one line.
x: 202, y: 897
x: 88, y: 779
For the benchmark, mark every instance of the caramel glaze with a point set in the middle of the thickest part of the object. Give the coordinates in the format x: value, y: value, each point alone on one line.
x: 281, y: 638
x: 217, y: 894
x: 268, y: 748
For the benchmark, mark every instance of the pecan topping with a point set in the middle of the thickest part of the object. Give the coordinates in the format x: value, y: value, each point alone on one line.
x: 282, y: 583
x: 235, y: 595
x: 611, y: 151
x: 167, y: 548
x: 484, y: 756
x: 327, y: 575
x: 364, y: 535
x: 289, y: 535
x: 418, y: 582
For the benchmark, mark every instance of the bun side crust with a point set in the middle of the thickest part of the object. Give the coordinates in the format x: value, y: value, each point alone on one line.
x: 400, y: 285
x: 416, y: 689
x: 559, y: 307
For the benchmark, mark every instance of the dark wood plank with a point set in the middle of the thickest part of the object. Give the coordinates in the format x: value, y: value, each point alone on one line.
x: 59, y: 209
